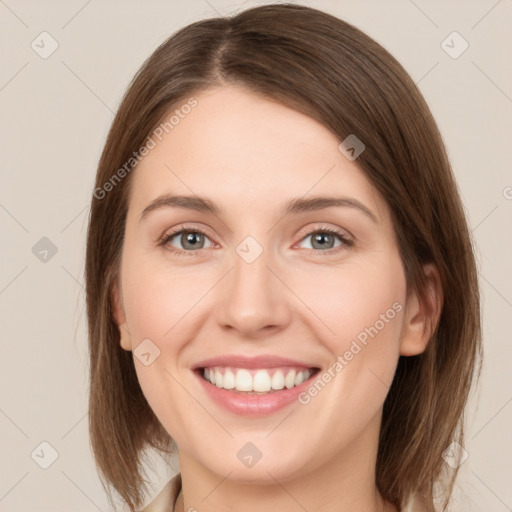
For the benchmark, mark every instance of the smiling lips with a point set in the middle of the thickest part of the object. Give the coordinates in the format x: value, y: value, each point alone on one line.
x: 253, y: 385
x: 256, y: 380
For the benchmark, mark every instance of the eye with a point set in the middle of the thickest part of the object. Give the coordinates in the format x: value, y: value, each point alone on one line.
x: 188, y: 240
x: 324, y: 240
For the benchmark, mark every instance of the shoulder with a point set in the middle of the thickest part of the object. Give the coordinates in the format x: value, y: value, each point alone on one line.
x: 166, y: 497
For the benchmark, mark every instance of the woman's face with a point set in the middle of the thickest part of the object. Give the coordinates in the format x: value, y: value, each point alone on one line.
x: 267, y: 288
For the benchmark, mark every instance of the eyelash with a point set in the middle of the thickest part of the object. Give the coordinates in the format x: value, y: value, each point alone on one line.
x: 166, y: 237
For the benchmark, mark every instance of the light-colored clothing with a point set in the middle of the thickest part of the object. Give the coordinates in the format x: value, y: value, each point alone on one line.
x: 165, y: 500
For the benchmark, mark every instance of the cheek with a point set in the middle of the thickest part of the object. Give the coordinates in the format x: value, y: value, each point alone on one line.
x: 363, y: 306
x: 159, y: 306
x: 159, y: 301
x: 359, y: 302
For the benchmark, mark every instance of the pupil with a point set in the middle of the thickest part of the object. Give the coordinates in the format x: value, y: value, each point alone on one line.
x: 190, y: 238
x: 320, y: 238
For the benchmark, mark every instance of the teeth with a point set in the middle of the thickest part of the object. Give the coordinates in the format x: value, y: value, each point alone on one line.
x: 278, y: 380
x: 218, y: 379
x: 289, y: 380
x: 259, y: 381
x: 229, y: 380
x: 243, y: 381
x: 262, y: 381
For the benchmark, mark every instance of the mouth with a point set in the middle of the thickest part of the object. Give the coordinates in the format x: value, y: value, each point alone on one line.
x: 256, y: 381
x: 254, y: 386
x: 250, y: 392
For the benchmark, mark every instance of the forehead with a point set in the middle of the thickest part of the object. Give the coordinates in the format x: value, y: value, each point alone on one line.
x: 238, y: 147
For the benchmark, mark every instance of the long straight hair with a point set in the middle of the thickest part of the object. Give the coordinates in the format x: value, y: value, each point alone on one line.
x: 331, y: 71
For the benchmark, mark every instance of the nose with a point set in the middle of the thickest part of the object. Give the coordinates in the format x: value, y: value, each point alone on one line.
x: 254, y: 301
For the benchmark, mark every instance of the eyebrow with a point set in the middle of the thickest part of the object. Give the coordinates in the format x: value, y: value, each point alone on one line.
x: 294, y: 206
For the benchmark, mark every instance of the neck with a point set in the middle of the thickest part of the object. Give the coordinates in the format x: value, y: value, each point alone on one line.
x: 346, y: 482
x: 380, y: 505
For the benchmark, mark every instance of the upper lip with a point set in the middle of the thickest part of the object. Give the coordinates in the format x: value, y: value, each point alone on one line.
x: 263, y: 361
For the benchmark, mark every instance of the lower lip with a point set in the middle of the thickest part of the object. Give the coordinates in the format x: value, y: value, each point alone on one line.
x: 253, y: 405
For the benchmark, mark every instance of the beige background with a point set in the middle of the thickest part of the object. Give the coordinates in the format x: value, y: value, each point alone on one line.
x: 55, y: 115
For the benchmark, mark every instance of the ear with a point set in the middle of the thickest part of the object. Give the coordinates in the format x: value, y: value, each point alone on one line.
x: 422, y: 316
x: 119, y: 316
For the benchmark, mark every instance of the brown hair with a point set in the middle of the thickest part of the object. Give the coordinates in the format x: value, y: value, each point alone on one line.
x: 330, y: 70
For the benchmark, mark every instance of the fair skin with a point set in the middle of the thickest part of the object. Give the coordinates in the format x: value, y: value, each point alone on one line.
x: 250, y: 156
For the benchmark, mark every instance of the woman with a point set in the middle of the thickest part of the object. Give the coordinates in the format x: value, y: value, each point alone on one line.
x: 281, y: 284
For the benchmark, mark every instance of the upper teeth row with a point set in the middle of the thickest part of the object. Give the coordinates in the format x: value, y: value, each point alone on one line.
x: 242, y: 380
